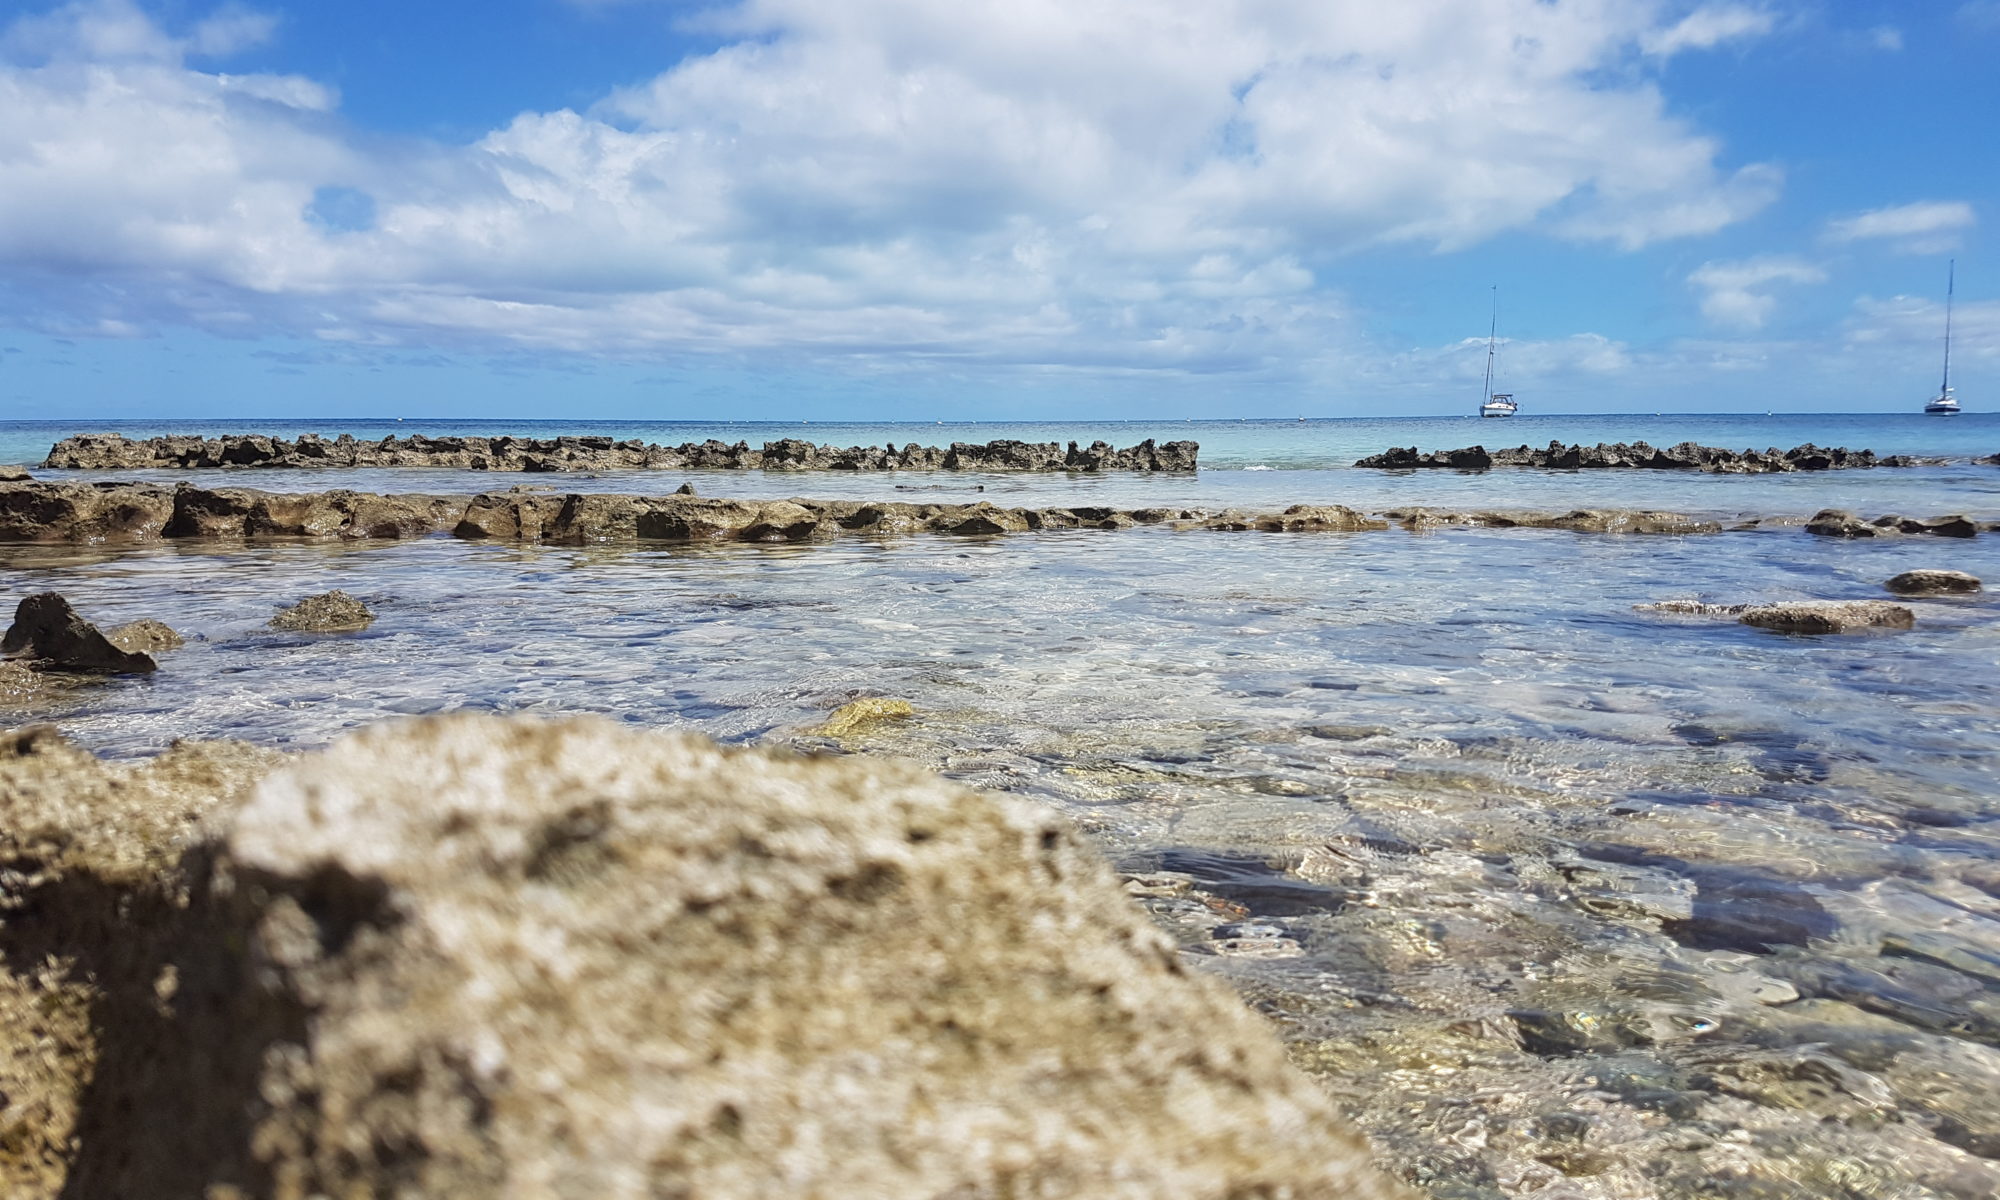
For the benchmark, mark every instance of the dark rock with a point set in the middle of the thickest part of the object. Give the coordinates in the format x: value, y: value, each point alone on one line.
x: 329, y: 612
x: 1687, y: 456
x: 78, y: 514
x: 110, y: 451
x: 52, y: 637
x: 1933, y: 583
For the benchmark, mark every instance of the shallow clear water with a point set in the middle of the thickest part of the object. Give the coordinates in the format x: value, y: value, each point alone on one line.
x: 1559, y: 899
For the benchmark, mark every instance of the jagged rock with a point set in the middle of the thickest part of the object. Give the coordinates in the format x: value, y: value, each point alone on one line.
x: 81, y: 514
x: 51, y: 636
x: 329, y: 612
x: 1837, y: 522
x: 1315, y: 518
x: 856, y: 715
x: 686, y: 489
x: 1828, y: 616
x: 110, y: 451
x: 1933, y: 583
x: 145, y: 636
x: 473, y: 957
x: 1686, y: 456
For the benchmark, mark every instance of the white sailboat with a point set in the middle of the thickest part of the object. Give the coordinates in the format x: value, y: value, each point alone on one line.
x: 1946, y: 403
x: 1495, y: 404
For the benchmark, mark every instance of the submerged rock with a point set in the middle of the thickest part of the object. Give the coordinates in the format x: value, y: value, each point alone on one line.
x: 475, y: 957
x: 1828, y: 616
x: 856, y: 715
x: 53, y: 637
x: 1933, y: 583
x: 329, y: 612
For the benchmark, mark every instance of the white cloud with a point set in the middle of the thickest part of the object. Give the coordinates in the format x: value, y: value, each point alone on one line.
x: 1925, y: 227
x: 1886, y: 37
x: 1047, y: 184
x: 1738, y: 294
x: 1707, y: 27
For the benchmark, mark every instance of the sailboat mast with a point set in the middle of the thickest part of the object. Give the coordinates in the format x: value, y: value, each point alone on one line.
x: 1491, y: 331
x: 1951, y: 285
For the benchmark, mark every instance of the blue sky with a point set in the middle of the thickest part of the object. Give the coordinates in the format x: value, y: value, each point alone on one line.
x: 990, y: 208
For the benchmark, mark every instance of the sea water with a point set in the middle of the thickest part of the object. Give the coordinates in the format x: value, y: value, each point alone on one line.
x: 1557, y: 898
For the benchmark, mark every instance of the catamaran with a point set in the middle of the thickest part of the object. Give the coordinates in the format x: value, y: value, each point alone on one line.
x: 1495, y: 404
x: 1946, y: 403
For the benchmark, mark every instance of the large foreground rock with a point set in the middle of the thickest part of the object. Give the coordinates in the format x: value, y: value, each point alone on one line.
x: 475, y: 957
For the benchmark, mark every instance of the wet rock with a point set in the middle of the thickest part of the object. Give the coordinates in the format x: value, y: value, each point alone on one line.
x: 1686, y: 456
x: 686, y: 489
x: 468, y: 957
x: 110, y: 451
x: 51, y: 636
x: 857, y: 715
x: 1838, y: 522
x: 145, y: 636
x: 1828, y: 616
x: 1319, y: 518
x: 1692, y: 608
x: 83, y: 514
x: 1931, y: 582
x: 329, y: 612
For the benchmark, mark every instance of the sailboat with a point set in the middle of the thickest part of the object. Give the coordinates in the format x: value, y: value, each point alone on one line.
x: 1495, y: 404
x: 1946, y: 403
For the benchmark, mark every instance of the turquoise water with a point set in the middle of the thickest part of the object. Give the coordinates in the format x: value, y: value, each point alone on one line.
x: 1558, y: 899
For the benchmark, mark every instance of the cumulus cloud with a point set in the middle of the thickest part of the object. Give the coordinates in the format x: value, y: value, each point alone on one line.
x: 1044, y: 184
x: 1925, y: 227
x: 1738, y: 294
x: 1707, y: 27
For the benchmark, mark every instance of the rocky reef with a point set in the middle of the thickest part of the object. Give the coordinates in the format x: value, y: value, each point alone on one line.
x: 1686, y: 456
x: 467, y: 956
x: 111, y: 451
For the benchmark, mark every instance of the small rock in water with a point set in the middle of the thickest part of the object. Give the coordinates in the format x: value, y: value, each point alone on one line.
x: 1932, y: 583
x: 331, y: 612
x: 1828, y: 616
x: 49, y: 632
x: 686, y: 489
x: 855, y: 715
x: 144, y: 637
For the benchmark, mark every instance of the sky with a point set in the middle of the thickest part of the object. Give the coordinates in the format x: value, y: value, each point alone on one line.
x: 992, y: 209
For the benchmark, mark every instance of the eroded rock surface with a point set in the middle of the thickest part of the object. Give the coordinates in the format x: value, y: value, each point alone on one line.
x: 1933, y: 583
x: 50, y: 635
x: 1686, y: 456
x: 329, y: 612
x: 1828, y: 616
x: 1839, y: 522
x: 111, y: 451
x: 475, y: 957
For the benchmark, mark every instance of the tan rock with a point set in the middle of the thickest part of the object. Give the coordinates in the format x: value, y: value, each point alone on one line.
x: 855, y: 715
x: 474, y: 957
x: 145, y: 636
x: 1933, y: 583
x: 1828, y: 616
x: 329, y: 612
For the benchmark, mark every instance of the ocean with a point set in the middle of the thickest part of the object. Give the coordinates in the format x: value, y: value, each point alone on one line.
x: 1492, y: 850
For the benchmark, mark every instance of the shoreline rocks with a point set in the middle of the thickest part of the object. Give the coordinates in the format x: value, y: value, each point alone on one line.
x: 1797, y: 616
x: 469, y: 956
x: 112, y: 451
x: 1840, y: 523
x: 1685, y: 456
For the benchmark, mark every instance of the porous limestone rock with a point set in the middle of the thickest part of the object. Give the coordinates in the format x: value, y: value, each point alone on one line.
x: 1933, y: 583
x: 52, y: 636
x: 328, y: 612
x: 1828, y: 616
x: 467, y: 956
x: 145, y: 636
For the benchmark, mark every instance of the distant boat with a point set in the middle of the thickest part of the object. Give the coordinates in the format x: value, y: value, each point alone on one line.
x: 1946, y: 403
x: 1495, y: 404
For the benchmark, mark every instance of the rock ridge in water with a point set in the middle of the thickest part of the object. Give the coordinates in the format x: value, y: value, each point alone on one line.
x: 112, y: 451
x: 107, y: 513
x: 1686, y: 456
x: 468, y: 956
